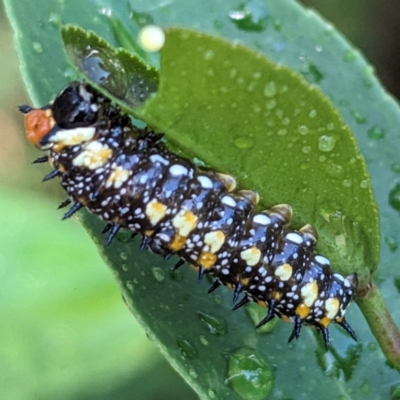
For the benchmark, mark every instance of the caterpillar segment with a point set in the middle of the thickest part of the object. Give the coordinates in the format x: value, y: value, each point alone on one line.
x: 127, y: 177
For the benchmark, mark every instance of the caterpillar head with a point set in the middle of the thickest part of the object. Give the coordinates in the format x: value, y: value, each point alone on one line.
x: 69, y: 120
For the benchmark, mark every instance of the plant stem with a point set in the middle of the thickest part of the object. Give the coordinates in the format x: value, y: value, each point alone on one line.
x: 382, y: 325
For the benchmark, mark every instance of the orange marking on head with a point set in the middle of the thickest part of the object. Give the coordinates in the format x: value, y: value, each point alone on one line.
x: 38, y: 123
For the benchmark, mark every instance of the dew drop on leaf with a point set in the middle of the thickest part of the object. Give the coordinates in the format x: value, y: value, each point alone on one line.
x: 249, y: 374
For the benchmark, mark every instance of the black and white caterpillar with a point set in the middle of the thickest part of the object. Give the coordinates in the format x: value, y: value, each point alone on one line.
x: 130, y: 179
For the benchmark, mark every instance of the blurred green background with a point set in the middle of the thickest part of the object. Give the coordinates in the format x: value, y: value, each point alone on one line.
x: 65, y: 332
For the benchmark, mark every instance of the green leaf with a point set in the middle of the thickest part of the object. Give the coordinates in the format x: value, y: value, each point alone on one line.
x: 290, y: 36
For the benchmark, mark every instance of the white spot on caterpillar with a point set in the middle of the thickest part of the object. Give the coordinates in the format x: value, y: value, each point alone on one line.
x: 251, y: 256
x: 155, y: 211
x: 294, y: 237
x: 309, y: 293
x: 155, y: 158
x: 185, y: 221
x: 261, y: 219
x: 215, y: 240
x: 332, y: 307
x: 178, y: 170
x: 228, y: 201
x: 93, y: 156
x: 322, y: 260
x: 284, y: 272
x: 71, y: 137
x: 117, y: 177
x: 205, y: 182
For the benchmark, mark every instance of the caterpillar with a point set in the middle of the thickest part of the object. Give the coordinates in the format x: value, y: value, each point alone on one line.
x: 129, y: 178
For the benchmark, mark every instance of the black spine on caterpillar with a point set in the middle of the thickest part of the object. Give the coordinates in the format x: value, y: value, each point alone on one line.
x: 131, y: 180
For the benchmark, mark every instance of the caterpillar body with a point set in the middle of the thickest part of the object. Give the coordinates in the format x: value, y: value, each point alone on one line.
x: 130, y: 179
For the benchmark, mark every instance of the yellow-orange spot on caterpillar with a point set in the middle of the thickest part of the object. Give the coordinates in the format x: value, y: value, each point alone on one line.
x: 302, y: 310
x: 244, y: 281
x: 277, y: 295
x: 339, y: 319
x: 228, y: 181
x: 325, y: 321
x: 177, y: 243
x: 251, y: 256
x: 285, y: 318
x: 284, y: 272
x: 117, y: 177
x: 94, y: 156
x: 261, y: 303
x: 155, y: 211
x: 38, y: 123
x: 149, y: 233
x: 207, y: 259
x: 185, y: 221
x: 332, y: 307
x: 71, y: 137
x: 215, y: 240
x: 309, y: 293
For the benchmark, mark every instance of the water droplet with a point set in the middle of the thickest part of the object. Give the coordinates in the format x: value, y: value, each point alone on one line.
x: 270, y: 104
x: 158, y: 273
x: 270, y: 89
x: 318, y: 48
x: 125, y: 267
x: 208, y: 55
x: 326, y: 143
x: 123, y: 256
x: 367, y: 82
x: 365, y: 388
x: 243, y: 142
x: 322, y: 158
x: 214, y: 325
x: 212, y: 394
x: 286, y: 121
x: 203, y: 340
x: 312, y: 113
x: 257, y: 75
x: 349, y: 56
x: 218, y: 299
x: 303, y: 130
x: 282, y: 132
x: 70, y: 74
x: 37, y: 47
x: 313, y: 74
x: 251, y: 17
x: 376, y: 133
x: 306, y: 149
x: 394, y: 197
x: 130, y: 286
x: 55, y: 19
x: 193, y: 373
x: 395, y: 168
x: 187, y: 349
x: 250, y: 375
x: 330, y: 126
x: 358, y: 117
x: 346, y: 183
x: 364, y: 184
x: 372, y: 346
x: 100, y: 65
x: 392, y: 244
